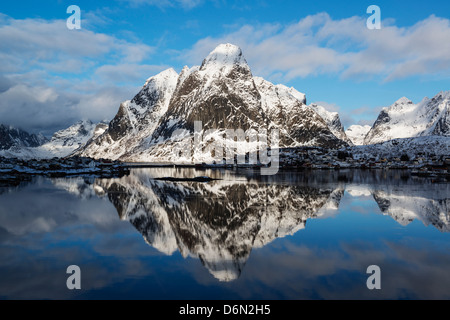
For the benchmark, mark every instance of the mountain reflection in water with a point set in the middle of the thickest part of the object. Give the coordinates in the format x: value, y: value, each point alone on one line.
x: 221, y: 221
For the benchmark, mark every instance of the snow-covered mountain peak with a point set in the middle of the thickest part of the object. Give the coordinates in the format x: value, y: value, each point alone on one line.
x: 401, y: 105
x: 279, y: 91
x: 403, y: 100
x: 439, y: 102
x: 225, y: 54
x: 223, y: 58
x: 297, y: 94
x: 445, y: 95
x: 283, y: 90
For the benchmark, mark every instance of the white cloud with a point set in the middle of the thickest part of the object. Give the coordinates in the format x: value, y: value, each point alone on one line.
x: 44, y: 109
x: 318, y: 45
x: 52, y: 76
x: 33, y: 43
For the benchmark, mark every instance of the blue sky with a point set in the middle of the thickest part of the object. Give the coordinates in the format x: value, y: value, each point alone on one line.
x: 51, y: 76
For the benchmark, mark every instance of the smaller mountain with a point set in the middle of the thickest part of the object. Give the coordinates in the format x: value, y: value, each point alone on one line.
x: 20, y: 144
x: 136, y: 119
x: 404, y: 119
x: 357, y: 133
x: 15, y: 138
x: 74, y: 135
x: 66, y: 141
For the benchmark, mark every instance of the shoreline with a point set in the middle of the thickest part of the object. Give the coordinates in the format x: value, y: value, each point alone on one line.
x: 121, y: 169
x: 306, y: 159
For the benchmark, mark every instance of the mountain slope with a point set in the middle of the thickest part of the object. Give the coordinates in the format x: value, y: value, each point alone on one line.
x: 136, y: 120
x: 333, y: 121
x: 404, y: 119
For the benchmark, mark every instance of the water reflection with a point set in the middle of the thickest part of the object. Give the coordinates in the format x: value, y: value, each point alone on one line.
x: 218, y: 222
x: 222, y: 221
x: 229, y: 225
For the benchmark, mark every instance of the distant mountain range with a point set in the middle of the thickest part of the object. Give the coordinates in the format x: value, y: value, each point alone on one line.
x: 223, y: 94
x: 11, y: 137
x: 62, y: 144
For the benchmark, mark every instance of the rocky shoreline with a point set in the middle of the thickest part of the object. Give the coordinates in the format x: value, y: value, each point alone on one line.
x: 13, y: 170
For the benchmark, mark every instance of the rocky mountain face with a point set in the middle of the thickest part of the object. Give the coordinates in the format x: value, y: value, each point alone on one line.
x: 222, y: 94
x: 15, y: 138
x: 357, y: 133
x: 404, y: 119
x: 136, y: 120
x: 333, y: 121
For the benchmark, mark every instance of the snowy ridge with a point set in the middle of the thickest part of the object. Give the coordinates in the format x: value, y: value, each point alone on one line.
x: 66, y: 141
x: 221, y: 61
x: 404, y: 119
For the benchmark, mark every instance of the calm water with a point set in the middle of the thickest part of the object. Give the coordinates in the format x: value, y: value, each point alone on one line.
x: 291, y: 236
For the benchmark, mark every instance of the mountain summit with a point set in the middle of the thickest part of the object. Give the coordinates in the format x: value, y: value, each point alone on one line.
x: 224, y: 56
x: 222, y: 94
